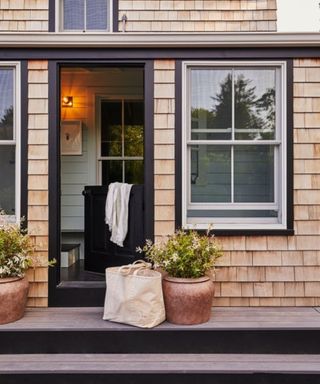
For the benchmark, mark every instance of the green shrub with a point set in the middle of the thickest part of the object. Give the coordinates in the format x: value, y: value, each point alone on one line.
x: 185, y: 254
x: 16, y: 249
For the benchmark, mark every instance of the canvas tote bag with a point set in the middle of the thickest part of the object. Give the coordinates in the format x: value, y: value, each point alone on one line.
x: 134, y: 295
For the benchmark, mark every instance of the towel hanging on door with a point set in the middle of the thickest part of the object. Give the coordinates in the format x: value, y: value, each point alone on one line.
x: 117, y: 211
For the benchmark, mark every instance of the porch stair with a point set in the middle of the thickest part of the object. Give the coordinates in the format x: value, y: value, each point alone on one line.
x: 238, y: 345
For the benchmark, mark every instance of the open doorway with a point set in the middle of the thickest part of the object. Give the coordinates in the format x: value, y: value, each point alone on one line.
x: 101, y: 141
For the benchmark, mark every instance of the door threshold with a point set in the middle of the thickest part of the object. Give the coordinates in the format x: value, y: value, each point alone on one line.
x: 82, y: 284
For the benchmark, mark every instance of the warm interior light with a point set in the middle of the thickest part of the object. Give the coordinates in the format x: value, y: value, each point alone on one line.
x: 67, y: 101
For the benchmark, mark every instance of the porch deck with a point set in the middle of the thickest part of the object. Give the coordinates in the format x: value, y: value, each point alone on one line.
x: 237, y: 345
x: 230, y: 330
x: 229, y: 319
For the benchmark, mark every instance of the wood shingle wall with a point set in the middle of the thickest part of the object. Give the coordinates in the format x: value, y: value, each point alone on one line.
x: 38, y: 177
x: 267, y: 270
x: 156, y: 15
x: 198, y: 15
x: 24, y: 15
x: 164, y: 153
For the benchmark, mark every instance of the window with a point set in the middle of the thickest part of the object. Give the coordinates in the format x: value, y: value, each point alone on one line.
x: 234, y: 145
x: 9, y: 141
x: 122, y: 147
x: 85, y: 15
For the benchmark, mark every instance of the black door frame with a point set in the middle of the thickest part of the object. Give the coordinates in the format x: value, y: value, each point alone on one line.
x: 75, y: 294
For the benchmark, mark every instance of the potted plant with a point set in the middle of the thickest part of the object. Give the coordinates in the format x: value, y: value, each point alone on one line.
x: 16, y: 249
x: 187, y: 258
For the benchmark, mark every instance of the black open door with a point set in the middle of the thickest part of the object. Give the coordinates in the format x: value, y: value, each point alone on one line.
x: 121, y: 148
x: 100, y: 252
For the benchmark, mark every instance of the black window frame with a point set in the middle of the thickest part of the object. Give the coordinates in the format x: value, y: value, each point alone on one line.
x: 178, y: 151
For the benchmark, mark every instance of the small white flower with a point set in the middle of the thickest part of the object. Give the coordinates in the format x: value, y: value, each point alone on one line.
x: 174, y: 257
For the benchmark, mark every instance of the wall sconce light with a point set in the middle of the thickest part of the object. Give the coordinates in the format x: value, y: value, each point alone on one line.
x: 67, y: 101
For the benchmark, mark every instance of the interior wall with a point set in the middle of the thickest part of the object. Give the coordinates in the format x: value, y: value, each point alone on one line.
x: 86, y: 86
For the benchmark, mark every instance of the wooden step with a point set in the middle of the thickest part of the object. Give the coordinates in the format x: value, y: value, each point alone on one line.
x: 230, y: 330
x: 173, y: 368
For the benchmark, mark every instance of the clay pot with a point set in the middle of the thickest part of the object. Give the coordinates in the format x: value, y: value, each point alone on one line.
x: 13, y: 298
x: 188, y: 301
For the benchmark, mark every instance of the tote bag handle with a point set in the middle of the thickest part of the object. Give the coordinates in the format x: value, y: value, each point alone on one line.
x: 137, y: 265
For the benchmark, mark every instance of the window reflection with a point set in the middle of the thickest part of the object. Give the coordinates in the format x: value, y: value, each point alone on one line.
x: 6, y: 104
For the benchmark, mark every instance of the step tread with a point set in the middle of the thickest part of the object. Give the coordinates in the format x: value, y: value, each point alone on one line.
x: 160, y: 363
x: 90, y: 319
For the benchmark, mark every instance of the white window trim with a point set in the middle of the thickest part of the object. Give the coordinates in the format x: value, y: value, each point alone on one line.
x: 230, y: 223
x: 59, y: 21
x: 16, y: 134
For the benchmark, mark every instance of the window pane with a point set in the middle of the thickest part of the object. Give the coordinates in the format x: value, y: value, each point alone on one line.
x: 254, y: 174
x: 6, y: 103
x: 97, y: 15
x: 7, y: 179
x: 134, y: 171
x: 73, y: 15
x: 211, y: 104
x: 111, y: 128
x: 210, y: 173
x: 255, y: 104
x: 133, y: 128
x: 111, y: 171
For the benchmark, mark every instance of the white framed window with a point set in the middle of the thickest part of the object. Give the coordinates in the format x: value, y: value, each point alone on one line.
x: 234, y: 145
x: 10, y: 139
x: 84, y: 15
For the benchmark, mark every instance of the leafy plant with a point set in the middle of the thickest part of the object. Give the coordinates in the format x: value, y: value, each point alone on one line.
x: 16, y: 249
x: 185, y: 254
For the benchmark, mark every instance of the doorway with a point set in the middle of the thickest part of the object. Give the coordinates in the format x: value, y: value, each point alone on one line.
x: 110, y: 121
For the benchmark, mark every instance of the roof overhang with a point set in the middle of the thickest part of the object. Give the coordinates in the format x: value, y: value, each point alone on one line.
x: 159, y: 40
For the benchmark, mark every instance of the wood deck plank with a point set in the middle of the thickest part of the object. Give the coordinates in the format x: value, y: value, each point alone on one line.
x: 160, y: 363
x: 222, y: 318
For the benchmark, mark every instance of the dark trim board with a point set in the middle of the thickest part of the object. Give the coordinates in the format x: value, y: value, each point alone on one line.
x: 52, y: 15
x: 115, y: 15
x: 24, y: 141
x: 125, y: 54
x: 178, y: 141
x: 121, y: 340
x: 160, y: 378
x: 149, y: 149
x: 290, y: 212
x: 84, y: 294
x: 54, y: 178
x: 178, y: 150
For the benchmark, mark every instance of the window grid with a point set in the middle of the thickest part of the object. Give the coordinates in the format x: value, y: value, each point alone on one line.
x: 123, y: 158
x: 108, y: 21
x: 278, y: 156
x: 233, y: 142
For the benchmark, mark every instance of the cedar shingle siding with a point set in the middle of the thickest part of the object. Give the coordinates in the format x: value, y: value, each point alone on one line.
x: 198, y: 16
x: 255, y: 270
x: 24, y: 15
x: 266, y: 270
x: 38, y: 177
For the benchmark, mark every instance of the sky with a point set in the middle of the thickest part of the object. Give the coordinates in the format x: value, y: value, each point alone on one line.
x: 298, y: 15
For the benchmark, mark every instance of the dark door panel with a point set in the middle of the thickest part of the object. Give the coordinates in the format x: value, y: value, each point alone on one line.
x: 100, y: 252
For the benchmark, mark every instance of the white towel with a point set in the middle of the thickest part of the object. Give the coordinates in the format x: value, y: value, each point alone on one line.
x: 117, y: 211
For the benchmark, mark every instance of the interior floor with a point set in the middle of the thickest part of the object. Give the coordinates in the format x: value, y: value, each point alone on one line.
x: 76, y: 272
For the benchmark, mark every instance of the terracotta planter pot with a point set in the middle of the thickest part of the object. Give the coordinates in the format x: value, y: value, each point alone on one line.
x: 13, y: 298
x: 188, y: 301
